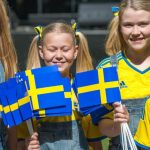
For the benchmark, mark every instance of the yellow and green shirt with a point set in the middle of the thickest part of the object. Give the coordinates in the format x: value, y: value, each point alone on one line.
x: 134, y: 83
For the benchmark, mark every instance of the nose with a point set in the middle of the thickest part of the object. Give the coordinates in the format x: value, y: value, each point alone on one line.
x: 59, y: 55
x: 136, y: 31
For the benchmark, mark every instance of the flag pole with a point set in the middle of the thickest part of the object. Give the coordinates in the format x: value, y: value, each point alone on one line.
x: 29, y: 121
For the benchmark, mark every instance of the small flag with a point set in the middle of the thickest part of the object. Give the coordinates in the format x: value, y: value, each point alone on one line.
x: 97, y: 87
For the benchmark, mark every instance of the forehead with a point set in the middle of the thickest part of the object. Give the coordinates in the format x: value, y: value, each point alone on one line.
x: 58, y: 37
x: 132, y: 15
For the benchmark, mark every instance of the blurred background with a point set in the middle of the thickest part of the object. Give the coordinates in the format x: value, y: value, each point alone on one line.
x: 92, y: 16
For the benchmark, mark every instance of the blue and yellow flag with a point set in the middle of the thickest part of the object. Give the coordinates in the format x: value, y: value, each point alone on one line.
x: 16, y: 108
x: 24, y: 101
x: 97, y: 87
x: 11, y: 96
x: 7, y: 114
x: 47, y: 90
x: 65, y: 109
x: 43, y: 85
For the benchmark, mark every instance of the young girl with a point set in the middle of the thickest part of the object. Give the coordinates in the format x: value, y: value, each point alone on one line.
x: 59, y: 44
x: 8, y: 67
x: 128, y: 45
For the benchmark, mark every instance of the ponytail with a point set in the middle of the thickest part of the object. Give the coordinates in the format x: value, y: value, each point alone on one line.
x: 33, y: 60
x: 84, y: 60
x: 113, y: 44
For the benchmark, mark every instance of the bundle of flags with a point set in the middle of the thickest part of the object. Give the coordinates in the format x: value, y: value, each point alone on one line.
x: 35, y: 93
x: 43, y: 92
x: 14, y: 102
x: 96, y: 88
x: 50, y: 93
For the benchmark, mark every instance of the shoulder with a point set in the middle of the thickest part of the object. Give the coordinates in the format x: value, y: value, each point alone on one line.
x: 107, y: 61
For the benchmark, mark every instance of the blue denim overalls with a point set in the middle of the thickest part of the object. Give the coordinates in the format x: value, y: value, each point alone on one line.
x: 62, y: 136
x: 2, y: 127
x: 135, y: 108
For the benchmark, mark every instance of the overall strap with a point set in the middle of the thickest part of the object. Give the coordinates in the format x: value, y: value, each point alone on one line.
x: 114, y: 60
x: 2, y: 73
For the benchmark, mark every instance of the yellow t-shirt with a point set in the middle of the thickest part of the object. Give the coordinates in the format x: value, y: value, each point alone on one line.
x: 134, y: 84
x: 142, y: 136
x: 91, y: 131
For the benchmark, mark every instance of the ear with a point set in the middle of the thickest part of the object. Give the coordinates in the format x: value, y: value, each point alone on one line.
x: 41, y: 51
x: 76, y: 51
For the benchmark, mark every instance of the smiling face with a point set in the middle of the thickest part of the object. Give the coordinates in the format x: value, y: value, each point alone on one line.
x: 59, y: 49
x: 135, y: 29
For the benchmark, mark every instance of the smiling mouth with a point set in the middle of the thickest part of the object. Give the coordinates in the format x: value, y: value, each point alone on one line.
x: 137, y: 40
x: 59, y: 64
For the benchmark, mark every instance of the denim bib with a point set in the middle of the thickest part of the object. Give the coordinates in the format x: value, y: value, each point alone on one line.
x: 62, y: 136
x: 135, y: 108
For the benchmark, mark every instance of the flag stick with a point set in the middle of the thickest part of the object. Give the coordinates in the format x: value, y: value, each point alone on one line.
x: 30, y: 126
x: 29, y: 121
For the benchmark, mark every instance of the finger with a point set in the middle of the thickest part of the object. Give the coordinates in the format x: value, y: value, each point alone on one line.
x: 34, y: 136
x: 37, y: 147
x: 121, y: 115
x: 120, y: 120
x: 34, y: 142
x: 116, y: 104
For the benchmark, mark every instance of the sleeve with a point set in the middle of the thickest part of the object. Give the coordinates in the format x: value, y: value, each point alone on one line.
x: 104, y: 63
x: 22, y: 131
x: 142, y: 135
x: 91, y: 131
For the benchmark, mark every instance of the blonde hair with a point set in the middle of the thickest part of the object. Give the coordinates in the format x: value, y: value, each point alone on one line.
x: 8, y: 55
x: 83, y: 61
x: 114, y: 40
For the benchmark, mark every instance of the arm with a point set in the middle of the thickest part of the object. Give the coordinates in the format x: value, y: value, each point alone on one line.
x: 111, y: 127
x: 12, y: 138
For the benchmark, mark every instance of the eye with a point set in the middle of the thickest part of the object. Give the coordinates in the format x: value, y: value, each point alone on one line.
x: 127, y: 25
x: 66, y: 49
x: 52, y: 49
x: 143, y: 24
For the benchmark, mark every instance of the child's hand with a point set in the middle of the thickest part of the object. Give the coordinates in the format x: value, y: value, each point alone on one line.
x: 32, y: 143
x: 120, y: 113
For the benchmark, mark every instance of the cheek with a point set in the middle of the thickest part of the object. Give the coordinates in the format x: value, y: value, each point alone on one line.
x: 70, y: 57
x: 47, y: 56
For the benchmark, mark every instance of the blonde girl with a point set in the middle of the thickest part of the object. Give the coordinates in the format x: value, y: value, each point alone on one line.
x: 128, y: 44
x: 8, y: 67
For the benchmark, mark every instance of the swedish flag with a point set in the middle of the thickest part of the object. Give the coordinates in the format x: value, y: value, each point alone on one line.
x: 13, y: 101
x: 24, y: 101
x: 48, y: 91
x: 97, y: 87
x: 62, y: 110
x: 7, y: 115
x: 14, y: 105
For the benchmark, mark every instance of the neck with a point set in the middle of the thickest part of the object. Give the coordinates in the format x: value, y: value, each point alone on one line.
x: 66, y: 74
x: 137, y: 58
